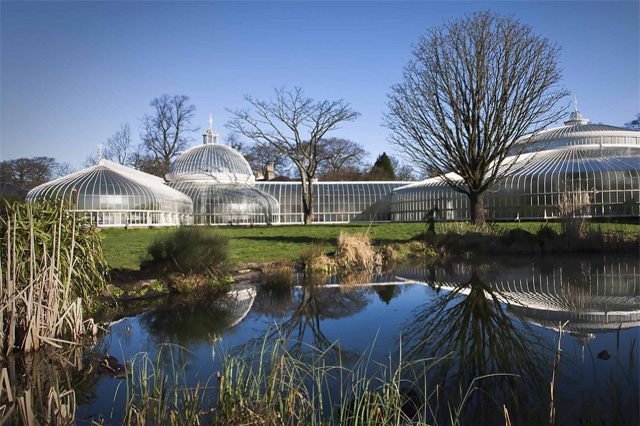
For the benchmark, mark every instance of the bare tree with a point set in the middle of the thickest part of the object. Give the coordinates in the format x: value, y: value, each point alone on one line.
x: 293, y: 124
x: 261, y: 156
x: 166, y: 131
x: 341, y: 158
x: 120, y: 145
x: 141, y: 160
x: 474, y: 87
x: 233, y: 140
x: 27, y: 173
x: 633, y: 124
x: 404, y: 172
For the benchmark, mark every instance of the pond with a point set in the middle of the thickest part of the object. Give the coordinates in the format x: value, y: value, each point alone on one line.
x: 495, y: 321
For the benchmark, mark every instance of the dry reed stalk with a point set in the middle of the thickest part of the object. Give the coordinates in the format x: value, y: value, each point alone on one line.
x: 556, y: 362
x: 278, y: 274
x: 507, y: 420
x: 42, y: 311
x: 355, y: 251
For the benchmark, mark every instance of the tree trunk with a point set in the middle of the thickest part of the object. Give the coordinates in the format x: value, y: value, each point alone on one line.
x: 477, y: 208
x: 307, y: 201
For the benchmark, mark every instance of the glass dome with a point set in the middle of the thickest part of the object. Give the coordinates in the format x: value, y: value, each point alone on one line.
x: 216, y: 203
x: 219, y: 163
x: 602, y: 162
x: 115, y: 195
x: 211, y: 161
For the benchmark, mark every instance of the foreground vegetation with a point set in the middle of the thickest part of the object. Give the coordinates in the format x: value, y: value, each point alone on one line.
x: 52, y: 268
x: 126, y: 249
x: 269, y: 385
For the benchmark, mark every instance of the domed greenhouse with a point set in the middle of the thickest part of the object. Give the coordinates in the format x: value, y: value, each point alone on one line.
x: 591, y: 170
x: 220, y: 183
x: 115, y: 195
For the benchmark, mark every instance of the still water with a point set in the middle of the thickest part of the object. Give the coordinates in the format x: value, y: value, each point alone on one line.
x: 496, y: 318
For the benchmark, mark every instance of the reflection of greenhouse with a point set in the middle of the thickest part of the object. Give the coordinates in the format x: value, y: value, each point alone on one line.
x: 598, y: 163
x: 221, y: 184
x: 606, y: 299
x: 115, y: 195
x: 335, y: 202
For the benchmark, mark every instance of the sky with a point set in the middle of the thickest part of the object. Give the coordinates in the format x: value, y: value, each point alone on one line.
x: 72, y: 72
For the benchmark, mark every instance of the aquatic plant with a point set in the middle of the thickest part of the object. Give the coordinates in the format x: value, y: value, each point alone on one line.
x: 38, y: 306
x: 314, y: 258
x: 355, y: 251
x: 48, y: 231
x: 278, y: 275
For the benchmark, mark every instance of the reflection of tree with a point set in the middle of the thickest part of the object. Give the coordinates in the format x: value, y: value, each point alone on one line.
x: 470, y: 323
x: 313, y: 305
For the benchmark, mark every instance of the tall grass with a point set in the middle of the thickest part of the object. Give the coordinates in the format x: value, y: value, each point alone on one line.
x: 37, y: 237
x: 268, y: 385
x: 38, y: 304
x: 355, y: 251
x: 271, y: 386
x: 158, y: 394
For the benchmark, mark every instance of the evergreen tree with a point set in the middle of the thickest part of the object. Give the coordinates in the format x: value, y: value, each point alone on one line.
x: 382, y: 169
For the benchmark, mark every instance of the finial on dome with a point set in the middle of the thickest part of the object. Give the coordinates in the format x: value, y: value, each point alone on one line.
x: 99, y: 151
x: 576, y: 116
x: 210, y: 136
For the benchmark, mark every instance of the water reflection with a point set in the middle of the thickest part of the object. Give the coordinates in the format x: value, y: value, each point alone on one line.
x: 301, y: 312
x: 491, y: 317
x: 470, y: 326
x: 483, y: 317
x: 191, y: 322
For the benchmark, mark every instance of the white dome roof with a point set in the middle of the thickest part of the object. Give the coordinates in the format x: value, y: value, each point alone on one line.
x: 211, y: 161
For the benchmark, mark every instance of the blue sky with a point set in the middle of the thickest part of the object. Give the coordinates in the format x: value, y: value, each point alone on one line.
x: 72, y: 72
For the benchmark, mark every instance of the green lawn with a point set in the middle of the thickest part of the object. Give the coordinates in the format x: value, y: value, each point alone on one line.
x: 124, y: 248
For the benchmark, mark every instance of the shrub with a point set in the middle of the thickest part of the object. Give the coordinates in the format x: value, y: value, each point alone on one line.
x: 355, y: 251
x: 191, y: 250
x: 48, y: 228
x: 387, y: 255
x: 278, y: 275
x: 203, y: 284
x: 314, y: 259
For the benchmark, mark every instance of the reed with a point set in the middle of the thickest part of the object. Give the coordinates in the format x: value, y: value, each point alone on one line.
x: 278, y: 275
x: 158, y: 393
x: 44, y: 387
x: 314, y: 258
x: 38, y: 305
x: 36, y: 237
x: 270, y: 386
x: 355, y: 252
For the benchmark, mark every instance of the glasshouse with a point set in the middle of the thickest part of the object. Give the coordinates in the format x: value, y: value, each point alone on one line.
x: 220, y: 183
x: 586, y: 169
x: 115, y: 195
x: 335, y: 202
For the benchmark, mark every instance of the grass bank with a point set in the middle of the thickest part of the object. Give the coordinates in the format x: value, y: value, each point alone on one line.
x: 124, y: 248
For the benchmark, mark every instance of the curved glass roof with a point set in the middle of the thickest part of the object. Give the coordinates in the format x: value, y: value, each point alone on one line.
x: 111, y: 186
x: 211, y: 161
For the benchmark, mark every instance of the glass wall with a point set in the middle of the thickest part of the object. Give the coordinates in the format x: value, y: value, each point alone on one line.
x: 607, y: 178
x: 334, y: 202
x: 215, y: 203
